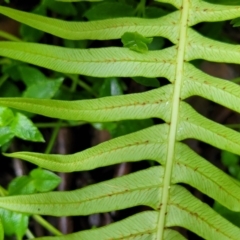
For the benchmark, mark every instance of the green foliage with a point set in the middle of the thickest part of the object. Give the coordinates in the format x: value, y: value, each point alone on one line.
x: 158, y: 186
x: 10, y: 219
x: 39, y: 180
x: 17, y: 125
x: 136, y: 42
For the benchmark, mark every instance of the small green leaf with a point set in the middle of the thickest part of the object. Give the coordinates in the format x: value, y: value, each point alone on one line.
x: 6, y: 116
x: 44, y: 89
x: 5, y: 135
x: 21, y: 185
x: 63, y: 8
x: 14, y: 223
x: 24, y: 128
x: 108, y: 10
x: 136, y: 41
x: 30, y: 75
x: 44, y: 180
x: 149, y: 82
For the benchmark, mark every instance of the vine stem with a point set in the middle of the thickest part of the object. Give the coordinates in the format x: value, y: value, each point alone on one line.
x: 174, y: 120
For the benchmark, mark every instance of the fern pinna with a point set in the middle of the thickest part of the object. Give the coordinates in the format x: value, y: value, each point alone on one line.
x: 156, y: 187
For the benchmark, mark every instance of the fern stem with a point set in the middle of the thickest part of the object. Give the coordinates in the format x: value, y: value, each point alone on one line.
x: 47, y: 225
x: 174, y: 121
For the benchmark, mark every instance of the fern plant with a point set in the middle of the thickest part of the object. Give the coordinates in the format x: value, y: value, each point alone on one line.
x: 156, y: 187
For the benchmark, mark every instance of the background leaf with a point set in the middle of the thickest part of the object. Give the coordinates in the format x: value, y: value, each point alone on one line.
x: 24, y: 128
x: 107, y: 10
x: 44, y: 180
x: 10, y: 219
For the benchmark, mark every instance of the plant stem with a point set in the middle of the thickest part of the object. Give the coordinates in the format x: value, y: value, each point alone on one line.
x: 47, y: 225
x: 53, y: 138
x: 9, y: 36
x: 3, y: 79
x: 81, y: 83
x: 29, y: 234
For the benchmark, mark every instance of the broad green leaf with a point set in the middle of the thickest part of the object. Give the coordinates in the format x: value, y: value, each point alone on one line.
x: 5, y: 135
x: 135, y: 42
x: 44, y: 180
x: 107, y: 10
x: 6, y: 116
x: 14, y: 223
x: 30, y: 75
x: 24, y: 128
x: 21, y: 185
x: 165, y: 27
x: 63, y: 8
x: 44, y: 89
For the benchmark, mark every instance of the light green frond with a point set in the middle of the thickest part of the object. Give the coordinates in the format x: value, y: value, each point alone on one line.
x: 189, y: 212
x: 132, y: 190
x: 188, y: 168
x: 105, y: 29
x: 140, y: 226
x: 192, y: 169
x: 145, y: 230
x: 194, y: 125
x: 199, y: 47
x: 202, y: 11
x: 146, y: 144
x: 102, y: 62
x: 154, y: 103
x: 217, y: 90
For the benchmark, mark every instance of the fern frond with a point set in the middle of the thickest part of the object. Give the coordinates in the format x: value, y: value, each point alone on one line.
x: 156, y: 187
